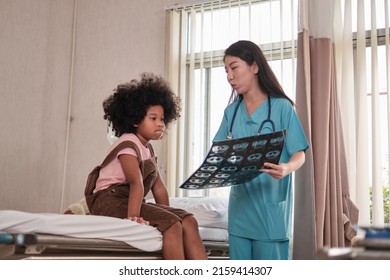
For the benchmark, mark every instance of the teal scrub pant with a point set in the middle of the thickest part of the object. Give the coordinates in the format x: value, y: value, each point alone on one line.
x: 249, y: 249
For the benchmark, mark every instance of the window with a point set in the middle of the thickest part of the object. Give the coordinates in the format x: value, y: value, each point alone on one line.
x: 199, y: 35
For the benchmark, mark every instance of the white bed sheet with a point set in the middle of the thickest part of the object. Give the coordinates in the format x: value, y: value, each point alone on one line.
x: 146, y: 238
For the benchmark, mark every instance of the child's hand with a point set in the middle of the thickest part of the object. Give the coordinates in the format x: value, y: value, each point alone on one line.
x: 139, y: 220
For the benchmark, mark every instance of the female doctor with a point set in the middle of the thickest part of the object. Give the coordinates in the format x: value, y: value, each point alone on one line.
x: 260, y: 211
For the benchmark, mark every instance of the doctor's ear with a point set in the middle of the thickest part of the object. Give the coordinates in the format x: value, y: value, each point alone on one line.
x: 255, y: 68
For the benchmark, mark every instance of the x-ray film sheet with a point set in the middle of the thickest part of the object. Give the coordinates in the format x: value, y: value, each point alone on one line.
x: 236, y: 161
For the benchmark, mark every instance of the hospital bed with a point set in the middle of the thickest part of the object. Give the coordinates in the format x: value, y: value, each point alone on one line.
x: 25, y: 235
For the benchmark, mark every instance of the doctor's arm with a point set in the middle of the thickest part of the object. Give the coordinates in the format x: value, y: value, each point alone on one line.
x: 278, y: 171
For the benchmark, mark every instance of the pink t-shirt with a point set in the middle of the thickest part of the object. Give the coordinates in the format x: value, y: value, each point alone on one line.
x: 113, y: 173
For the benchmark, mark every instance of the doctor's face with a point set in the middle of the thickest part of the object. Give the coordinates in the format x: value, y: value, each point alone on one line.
x: 241, y: 76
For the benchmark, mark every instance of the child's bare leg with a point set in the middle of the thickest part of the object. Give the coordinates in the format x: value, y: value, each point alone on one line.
x: 173, y: 242
x: 193, y: 245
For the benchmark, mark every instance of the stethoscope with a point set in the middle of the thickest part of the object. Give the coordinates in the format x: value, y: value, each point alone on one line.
x: 268, y: 120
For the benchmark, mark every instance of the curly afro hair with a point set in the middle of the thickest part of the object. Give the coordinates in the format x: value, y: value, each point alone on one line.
x: 129, y: 103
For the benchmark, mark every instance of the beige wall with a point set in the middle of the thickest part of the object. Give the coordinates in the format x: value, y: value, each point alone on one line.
x: 59, y: 59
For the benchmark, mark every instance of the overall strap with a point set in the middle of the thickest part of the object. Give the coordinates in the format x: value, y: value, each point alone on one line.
x: 121, y: 146
x: 150, y: 147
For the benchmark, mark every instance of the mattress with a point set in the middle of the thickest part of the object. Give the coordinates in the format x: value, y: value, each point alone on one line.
x: 145, y: 238
x: 25, y: 234
x: 213, y: 234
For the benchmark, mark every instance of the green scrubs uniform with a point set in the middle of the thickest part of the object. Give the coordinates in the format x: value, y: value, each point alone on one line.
x: 260, y: 211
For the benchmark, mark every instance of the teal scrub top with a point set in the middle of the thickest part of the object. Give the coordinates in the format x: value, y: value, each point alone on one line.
x: 262, y: 208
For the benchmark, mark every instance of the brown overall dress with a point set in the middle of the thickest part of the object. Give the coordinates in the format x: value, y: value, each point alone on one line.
x: 114, y: 200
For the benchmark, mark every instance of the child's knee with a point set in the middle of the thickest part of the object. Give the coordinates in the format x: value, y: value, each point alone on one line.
x: 190, y: 221
x: 175, y: 228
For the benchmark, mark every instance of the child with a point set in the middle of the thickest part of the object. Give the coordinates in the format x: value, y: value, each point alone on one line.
x: 138, y: 112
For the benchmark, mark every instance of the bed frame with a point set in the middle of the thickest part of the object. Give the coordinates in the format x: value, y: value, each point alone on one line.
x: 47, y: 246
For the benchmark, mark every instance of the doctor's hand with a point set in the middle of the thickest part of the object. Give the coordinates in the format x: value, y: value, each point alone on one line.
x: 277, y: 171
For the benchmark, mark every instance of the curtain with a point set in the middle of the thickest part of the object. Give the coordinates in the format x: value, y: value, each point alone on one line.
x: 173, y: 67
x: 319, y: 110
x: 304, y: 222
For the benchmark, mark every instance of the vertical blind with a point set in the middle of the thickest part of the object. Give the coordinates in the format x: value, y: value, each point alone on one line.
x: 368, y: 127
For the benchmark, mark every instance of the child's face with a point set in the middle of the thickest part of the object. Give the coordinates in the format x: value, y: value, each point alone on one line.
x: 153, y: 125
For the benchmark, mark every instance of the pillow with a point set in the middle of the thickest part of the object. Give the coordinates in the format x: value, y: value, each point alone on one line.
x: 78, y: 208
x: 208, y: 211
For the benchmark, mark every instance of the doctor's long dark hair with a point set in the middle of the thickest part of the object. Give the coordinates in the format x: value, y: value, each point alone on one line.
x: 251, y: 53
